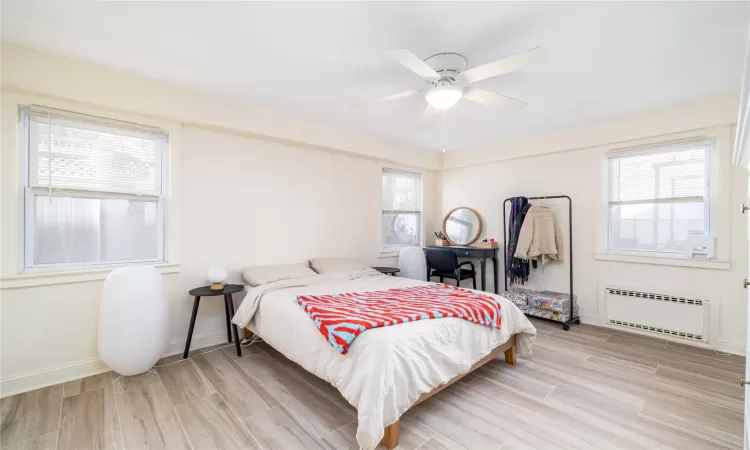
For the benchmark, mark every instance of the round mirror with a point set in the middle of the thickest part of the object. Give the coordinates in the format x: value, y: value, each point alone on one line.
x: 462, y: 226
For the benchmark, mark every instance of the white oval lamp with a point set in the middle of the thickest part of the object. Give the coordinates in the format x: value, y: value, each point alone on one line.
x: 217, y: 275
x: 133, y: 320
x: 444, y: 97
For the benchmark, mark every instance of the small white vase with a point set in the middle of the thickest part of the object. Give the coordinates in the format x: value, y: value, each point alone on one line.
x: 133, y: 320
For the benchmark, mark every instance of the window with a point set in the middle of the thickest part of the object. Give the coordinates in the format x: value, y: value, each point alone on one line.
x: 93, y: 190
x: 402, y: 209
x: 658, y: 197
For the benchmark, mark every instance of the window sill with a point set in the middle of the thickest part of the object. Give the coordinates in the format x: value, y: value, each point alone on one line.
x: 47, y: 278
x: 663, y: 260
x: 393, y: 252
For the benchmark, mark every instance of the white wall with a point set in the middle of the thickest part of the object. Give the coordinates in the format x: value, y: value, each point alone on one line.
x: 31, y: 71
x: 577, y: 172
x: 241, y: 198
x: 243, y: 202
x: 255, y: 188
x: 718, y: 110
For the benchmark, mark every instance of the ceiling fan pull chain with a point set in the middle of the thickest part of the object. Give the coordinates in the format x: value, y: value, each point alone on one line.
x: 443, y: 134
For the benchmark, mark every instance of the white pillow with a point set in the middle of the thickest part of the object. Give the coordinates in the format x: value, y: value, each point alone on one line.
x: 255, y: 276
x: 333, y: 265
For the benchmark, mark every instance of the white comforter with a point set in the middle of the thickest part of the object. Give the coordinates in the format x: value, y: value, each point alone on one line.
x: 386, y: 369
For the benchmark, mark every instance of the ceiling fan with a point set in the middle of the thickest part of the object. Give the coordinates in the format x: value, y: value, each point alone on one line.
x: 450, y: 82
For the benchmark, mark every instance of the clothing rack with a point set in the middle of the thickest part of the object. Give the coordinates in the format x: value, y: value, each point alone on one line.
x: 571, y: 319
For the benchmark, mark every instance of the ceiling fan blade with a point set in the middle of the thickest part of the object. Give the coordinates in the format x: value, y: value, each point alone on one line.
x: 519, y: 61
x: 386, y: 98
x: 412, y: 62
x: 488, y: 98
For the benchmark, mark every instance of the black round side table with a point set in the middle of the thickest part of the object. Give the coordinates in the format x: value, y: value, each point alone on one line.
x: 388, y: 270
x: 205, y: 291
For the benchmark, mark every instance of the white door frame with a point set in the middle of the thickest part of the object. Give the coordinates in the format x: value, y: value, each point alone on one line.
x: 741, y: 157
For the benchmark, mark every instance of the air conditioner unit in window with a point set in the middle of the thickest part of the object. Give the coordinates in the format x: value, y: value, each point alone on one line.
x: 700, y: 247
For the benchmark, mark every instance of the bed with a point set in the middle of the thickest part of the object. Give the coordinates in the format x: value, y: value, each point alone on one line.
x: 386, y: 370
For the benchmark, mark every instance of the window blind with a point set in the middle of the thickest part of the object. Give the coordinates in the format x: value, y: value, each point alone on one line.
x: 70, y: 151
x: 668, y: 174
x: 401, y: 216
x: 401, y: 191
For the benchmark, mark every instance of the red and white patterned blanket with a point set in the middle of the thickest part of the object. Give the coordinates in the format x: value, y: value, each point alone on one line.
x: 342, y: 317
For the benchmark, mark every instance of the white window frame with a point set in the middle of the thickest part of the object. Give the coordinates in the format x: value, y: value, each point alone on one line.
x: 29, y: 193
x: 660, y: 147
x: 418, y: 213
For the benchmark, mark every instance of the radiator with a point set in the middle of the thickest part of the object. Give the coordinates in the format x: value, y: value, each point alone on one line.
x: 668, y: 316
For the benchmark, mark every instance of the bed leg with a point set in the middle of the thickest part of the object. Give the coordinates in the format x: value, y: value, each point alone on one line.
x: 390, y: 436
x: 510, y: 355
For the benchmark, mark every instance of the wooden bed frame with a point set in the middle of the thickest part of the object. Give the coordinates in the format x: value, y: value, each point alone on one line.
x: 390, y: 436
x: 391, y: 432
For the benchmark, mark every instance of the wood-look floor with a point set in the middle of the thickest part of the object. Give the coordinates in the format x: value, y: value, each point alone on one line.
x: 588, y: 388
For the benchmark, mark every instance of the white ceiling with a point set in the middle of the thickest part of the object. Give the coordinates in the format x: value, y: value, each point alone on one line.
x: 315, y: 59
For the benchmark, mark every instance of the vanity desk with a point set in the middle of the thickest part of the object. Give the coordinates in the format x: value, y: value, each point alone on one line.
x: 461, y: 228
x: 482, y: 254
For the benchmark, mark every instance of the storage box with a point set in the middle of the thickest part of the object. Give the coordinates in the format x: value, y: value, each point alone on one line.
x: 549, y: 314
x: 545, y: 304
x: 519, y: 296
x: 487, y: 244
x: 553, y: 301
x: 442, y: 242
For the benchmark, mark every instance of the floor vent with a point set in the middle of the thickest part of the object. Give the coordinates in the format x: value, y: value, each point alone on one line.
x: 672, y: 316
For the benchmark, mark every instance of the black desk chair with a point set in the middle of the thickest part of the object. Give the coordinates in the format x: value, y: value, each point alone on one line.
x: 444, y: 264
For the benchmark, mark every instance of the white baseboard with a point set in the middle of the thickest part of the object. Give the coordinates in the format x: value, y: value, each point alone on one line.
x: 736, y: 348
x: 205, y: 340
x: 50, y: 376
x: 591, y: 320
x: 36, y: 379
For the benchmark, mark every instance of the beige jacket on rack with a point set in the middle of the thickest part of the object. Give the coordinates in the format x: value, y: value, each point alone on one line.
x: 540, y: 236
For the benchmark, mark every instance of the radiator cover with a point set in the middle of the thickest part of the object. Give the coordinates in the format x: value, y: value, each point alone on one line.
x: 669, y: 316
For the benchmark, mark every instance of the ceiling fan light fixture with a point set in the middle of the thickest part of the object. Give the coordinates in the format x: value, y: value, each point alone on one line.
x: 443, y: 97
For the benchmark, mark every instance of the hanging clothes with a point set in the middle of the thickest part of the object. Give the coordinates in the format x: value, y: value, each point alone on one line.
x: 539, y: 237
x: 517, y: 270
x: 516, y: 226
